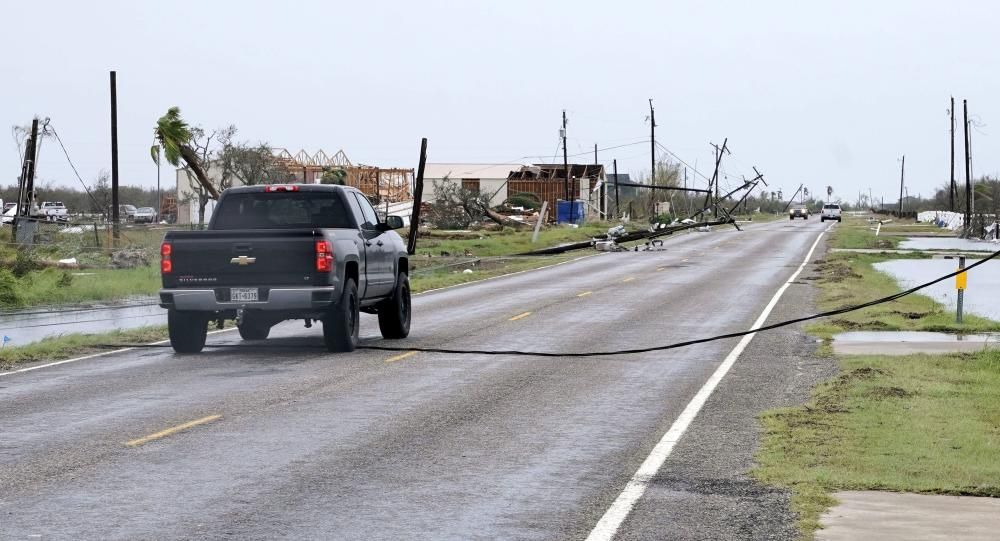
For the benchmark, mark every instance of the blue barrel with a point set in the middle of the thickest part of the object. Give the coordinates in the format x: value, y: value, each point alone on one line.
x: 569, y: 212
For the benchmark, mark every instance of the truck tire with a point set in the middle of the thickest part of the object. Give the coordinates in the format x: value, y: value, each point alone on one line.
x: 253, y: 329
x: 187, y: 330
x: 340, y: 326
x: 394, y: 313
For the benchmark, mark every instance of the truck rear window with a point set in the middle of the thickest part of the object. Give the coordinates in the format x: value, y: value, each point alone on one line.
x: 281, y: 210
x: 831, y: 206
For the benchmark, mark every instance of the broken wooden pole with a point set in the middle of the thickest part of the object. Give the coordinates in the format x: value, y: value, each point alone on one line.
x: 418, y: 193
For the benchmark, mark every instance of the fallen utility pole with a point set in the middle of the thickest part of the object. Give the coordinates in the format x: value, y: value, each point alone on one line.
x: 418, y: 195
x: 628, y: 237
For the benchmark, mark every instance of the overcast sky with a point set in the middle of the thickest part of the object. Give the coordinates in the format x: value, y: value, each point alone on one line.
x: 826, y: 93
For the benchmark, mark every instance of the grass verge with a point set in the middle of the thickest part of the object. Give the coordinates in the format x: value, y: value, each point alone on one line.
x: 928, y: 424
x: 918, y: 423
x: 73, y: 345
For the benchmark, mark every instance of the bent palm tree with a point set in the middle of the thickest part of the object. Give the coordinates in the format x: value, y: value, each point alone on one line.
x: 174, y: 137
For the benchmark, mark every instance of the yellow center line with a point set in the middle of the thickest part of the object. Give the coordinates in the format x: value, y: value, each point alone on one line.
x: 629, y: 279
x: 584, y: 294
x: 658, y: 269
x: 172, y: 430
x: 683, y: 260
x: 401, y: 356
x: 520, y: 316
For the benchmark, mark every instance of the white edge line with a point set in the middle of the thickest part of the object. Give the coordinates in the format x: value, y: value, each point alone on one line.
x: 92, y: 356
x: 620, y: 509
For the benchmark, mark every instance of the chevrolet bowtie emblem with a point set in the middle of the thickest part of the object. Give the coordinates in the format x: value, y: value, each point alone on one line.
x: 243, y: 260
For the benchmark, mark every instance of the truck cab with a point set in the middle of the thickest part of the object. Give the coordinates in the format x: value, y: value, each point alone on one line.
x: 278, y: 252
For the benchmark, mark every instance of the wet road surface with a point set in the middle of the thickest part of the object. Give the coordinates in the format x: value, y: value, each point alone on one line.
x: 279, y: 439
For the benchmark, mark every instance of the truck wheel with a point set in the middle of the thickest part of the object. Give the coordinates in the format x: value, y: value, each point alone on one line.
x: 253, y: 329
x: 340, y: 327
x: 394, y: 313
x: 187, y: 330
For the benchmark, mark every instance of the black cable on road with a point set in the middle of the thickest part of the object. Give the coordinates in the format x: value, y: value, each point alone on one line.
x: 676, y: 345
x: 686, y: 343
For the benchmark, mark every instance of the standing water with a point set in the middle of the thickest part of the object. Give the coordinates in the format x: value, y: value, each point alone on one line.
x: 30, y: 326
x: 981, y: 295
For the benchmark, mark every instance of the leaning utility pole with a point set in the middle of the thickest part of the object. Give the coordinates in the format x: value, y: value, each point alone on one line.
x: 114, y: 156
x: 967, y: 222
x: 715, y: 175
x: 26, y: 184
x: 418, y: 196
x: 951, y: 187
x: 902, y: 171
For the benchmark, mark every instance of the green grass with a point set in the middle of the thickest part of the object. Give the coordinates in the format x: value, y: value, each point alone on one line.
x: 855, y: 233
x: 928, y: 424
x: 71, y: 345
x: 58, y: 286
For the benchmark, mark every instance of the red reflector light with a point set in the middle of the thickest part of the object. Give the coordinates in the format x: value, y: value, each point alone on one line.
x: 165, y: 249
x: 324, y: 256
x: 166, y: 266
x: 281, y: 188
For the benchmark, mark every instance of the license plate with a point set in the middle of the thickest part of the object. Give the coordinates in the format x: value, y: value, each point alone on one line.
x: 243, y: 294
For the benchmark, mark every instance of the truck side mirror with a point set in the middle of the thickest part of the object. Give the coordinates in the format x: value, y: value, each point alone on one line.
x: 393, y: 222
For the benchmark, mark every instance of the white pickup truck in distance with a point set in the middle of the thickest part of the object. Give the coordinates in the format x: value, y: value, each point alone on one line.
x: 831, y: 211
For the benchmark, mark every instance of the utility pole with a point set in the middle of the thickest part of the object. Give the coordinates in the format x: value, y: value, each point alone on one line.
x: 967, y: 222
x: 159, y: 205
x: 618, y: 208
x: 565, y: 167
x: 715, y: 175
x: 114, y: 156
x: 26, y: 184
x: 902, y: 170
x: 652, y: 143
x: 951, y: 187
x: 418, y: 196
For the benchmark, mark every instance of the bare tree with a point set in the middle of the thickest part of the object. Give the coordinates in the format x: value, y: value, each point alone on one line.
x: 252, y: 164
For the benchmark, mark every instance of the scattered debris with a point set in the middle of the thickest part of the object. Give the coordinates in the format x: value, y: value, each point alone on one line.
x: 129, y: 259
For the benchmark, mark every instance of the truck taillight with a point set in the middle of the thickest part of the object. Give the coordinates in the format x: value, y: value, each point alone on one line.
x: 166, y: 263
x: 324, y: 256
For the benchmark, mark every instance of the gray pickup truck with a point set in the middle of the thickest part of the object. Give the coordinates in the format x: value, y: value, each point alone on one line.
x: 278, y: 252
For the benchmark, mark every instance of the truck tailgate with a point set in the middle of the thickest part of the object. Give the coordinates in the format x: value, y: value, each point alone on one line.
x: 249, y: 257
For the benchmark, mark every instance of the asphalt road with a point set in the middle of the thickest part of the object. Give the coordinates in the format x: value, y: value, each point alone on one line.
x: 284, y: 440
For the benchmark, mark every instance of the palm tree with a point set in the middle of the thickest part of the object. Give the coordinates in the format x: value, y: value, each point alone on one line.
x: 174, y: 137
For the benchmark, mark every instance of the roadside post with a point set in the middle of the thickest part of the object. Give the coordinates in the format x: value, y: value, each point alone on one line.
x: 541, y: 219
x: 960, y: 282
